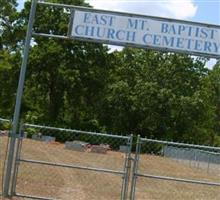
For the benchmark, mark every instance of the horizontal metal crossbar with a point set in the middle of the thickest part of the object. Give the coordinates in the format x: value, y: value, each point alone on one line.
x: 32, y: 197
x: 50, y: 35
x: 58, y: 5
x: 77, y: 131
x: 72, y: 166
x: 180, y: 144
x: 178, y: 179
x: 62, y: 5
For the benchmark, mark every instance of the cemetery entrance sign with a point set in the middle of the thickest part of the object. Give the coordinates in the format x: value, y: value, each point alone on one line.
x: 112, y: 28
x: 145, y: 32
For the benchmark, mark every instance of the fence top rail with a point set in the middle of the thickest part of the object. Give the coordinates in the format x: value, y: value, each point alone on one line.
x: 198, y: 150
x: 180, y: 144
x: 4, y: 120
x: 76, y: 131
x: 210, y: 152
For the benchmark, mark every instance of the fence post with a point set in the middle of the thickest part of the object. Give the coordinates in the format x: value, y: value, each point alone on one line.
x: 198, y: 159
x: 135, y: 168
x: 195, y: 158
x: 12, y: 142
x: 209, y: 160
x: 17, y: 158
x: 127, y: 167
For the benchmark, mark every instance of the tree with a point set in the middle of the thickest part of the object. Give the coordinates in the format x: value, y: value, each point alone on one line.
x: 157, y: 95
x: 65, y: 79
x: 213, y: 82
x: 9, y: 56
x: 81, y: 85
x: 11, y: 32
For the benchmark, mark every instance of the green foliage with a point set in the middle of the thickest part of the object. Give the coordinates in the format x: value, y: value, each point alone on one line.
x: 158, y: 95
x: 81, y: 85
x: 8, y: 81
x: 151, y: 148
x: 5, y: 125
x: 31, y: 131
x: 214, y: 81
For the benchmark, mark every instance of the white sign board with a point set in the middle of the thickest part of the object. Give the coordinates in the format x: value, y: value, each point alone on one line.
x: 145, y: 32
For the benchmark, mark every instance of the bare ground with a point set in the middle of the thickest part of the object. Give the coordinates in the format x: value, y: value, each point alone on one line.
x: 74, y: 184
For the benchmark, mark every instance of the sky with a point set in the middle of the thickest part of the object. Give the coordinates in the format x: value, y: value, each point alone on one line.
x: 205, y: 11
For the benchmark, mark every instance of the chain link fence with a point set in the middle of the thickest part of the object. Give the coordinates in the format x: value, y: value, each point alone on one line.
x: 166, y: 170
x: 57, y: 163
x: 198, y: 158
x: 4, y: 131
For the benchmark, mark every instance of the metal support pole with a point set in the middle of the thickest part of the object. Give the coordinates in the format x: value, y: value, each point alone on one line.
x: 127, y: 167
x: 10, y: 156
x: 17, y: 160
x: 209, y: 160
x: 123, y: 177
x: 135, y: 169
x: 198, y: 159
x: 195, y: 158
